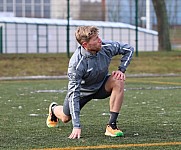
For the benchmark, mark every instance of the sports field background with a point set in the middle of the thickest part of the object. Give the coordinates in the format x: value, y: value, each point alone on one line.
x: 16, y: 65
x: 150, y: 113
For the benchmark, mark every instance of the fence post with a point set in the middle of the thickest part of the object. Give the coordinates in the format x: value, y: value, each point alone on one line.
x: 68, y: 28
x: 1, y: 39
x: 136, y: 24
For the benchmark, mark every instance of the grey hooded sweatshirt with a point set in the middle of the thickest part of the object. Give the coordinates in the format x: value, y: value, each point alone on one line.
x: 86, y: 72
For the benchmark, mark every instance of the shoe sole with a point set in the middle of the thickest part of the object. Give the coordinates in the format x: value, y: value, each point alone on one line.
x: 50, y: 109
x: 51, y: 126
x: 107, y: 133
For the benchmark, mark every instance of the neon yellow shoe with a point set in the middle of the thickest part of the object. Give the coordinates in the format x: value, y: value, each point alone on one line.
x: 52, y: 120
x: 113, y: 131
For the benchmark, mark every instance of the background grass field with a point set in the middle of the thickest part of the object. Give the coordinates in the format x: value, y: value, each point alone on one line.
x: 150, y: 113
x: 56, y: 64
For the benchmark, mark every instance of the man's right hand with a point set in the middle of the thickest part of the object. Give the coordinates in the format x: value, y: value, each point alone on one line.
x: 76, y: 132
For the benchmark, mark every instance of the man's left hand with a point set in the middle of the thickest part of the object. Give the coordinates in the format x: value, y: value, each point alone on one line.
x: 118, y: 75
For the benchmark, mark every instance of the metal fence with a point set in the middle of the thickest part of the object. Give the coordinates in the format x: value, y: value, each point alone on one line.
x: 30, y: 35
x: 116, y: 20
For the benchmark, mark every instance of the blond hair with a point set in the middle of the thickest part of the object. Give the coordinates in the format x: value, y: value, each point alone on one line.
x: 85, y: 33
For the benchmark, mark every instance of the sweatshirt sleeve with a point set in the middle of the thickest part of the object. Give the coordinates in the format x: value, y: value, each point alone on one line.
x: 127, y: 54
x: 117, y: 48
x: 75, y: 77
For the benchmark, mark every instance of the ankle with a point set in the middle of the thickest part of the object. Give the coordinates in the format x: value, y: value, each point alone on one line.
x: 53, y: 107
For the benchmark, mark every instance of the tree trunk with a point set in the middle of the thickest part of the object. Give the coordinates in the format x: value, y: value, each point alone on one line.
x: 162, y: 25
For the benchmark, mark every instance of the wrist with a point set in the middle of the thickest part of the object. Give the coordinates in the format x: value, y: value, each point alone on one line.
x: 123, y: 70
x: 76, y: 126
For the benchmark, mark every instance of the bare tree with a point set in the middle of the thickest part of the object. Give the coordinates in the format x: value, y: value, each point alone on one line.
x: 162, y: 25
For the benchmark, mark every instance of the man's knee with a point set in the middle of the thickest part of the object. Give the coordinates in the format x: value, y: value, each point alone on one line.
x: 114, y: 84
x: 119, y: 84
x: 66, y: 119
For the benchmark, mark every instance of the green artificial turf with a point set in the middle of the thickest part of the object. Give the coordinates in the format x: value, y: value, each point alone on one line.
x: 150, y: 114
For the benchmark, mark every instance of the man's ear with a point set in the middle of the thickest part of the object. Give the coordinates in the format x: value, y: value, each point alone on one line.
x: 84, y: 45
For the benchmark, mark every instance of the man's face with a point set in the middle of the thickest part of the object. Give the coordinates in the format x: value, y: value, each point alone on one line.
x: 94, y: 45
